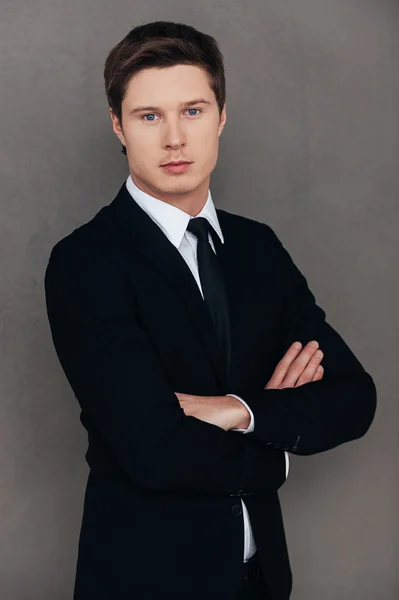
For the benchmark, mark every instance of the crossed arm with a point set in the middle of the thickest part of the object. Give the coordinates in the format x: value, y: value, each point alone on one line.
x: 119, y: 383
x: 329, y: 410
x: 230, y: 412
x: 322, y: 414
x: 110, y: 364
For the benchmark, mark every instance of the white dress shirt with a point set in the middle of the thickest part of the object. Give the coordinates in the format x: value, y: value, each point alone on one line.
x: 173, y: 221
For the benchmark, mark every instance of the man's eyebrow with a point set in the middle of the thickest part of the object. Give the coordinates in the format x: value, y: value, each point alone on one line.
x: 182, y: 105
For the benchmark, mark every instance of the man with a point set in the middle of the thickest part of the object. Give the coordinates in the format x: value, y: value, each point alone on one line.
x: 176, y: 324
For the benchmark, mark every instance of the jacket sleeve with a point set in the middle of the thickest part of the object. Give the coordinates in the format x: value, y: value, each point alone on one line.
x: 116, y: 376
x: 322, y: 414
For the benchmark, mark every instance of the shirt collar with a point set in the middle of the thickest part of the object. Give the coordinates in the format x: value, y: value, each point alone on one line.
x: 172, y: 220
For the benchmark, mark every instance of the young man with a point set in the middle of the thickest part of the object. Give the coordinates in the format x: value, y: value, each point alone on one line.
x: 175, y: 324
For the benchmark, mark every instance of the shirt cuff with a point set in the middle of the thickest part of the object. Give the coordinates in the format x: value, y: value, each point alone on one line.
x: 251, y: 426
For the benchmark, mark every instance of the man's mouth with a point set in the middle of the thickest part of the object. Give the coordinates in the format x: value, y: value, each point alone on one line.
x: 177, y: 167
x: 180, y: 162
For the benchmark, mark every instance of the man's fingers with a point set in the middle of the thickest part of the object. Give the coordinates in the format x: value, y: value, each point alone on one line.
x: 300, y: 364
x: 310, y: 371
x: 319, y: 373
x: 297, y: 366
x: 282, y: 367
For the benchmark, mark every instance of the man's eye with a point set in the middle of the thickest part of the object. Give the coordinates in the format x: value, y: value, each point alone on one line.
x: 153, y: 114
x: 148, y: 115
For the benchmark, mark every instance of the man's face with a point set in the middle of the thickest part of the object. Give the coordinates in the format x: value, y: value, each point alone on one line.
x: 171, y: 132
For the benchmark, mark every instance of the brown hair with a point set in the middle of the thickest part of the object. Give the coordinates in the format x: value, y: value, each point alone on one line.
x: 161, y: 44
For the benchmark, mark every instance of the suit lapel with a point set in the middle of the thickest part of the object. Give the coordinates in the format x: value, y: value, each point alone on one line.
x: 151, y: 242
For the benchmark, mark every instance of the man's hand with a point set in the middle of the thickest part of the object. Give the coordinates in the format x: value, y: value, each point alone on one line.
x: 297, y: 367
x: 224, y: 411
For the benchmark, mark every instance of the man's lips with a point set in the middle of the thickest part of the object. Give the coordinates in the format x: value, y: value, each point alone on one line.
x: 180, y: 162
x: 177, y: 167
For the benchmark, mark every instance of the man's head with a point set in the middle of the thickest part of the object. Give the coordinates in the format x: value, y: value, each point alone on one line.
x: 165, y: 66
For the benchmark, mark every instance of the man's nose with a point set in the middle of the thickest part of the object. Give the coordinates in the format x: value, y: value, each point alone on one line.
x: 174, y: 135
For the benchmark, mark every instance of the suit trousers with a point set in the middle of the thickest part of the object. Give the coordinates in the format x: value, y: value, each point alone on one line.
x: 252, y: 583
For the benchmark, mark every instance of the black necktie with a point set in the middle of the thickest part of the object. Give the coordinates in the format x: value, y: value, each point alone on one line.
x: 212, y: 286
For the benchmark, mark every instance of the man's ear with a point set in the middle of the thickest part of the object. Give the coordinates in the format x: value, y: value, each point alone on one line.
x: 116, y: 126
x: 223, y: 118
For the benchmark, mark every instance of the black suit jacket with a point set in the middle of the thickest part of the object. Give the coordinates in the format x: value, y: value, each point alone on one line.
x: 162, y: 511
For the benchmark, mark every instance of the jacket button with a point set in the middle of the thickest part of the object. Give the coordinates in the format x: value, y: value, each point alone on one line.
x: 236, y: 510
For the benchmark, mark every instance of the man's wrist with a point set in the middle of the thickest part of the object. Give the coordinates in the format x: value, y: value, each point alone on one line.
x: 243, y: 417
x: 246, y: 420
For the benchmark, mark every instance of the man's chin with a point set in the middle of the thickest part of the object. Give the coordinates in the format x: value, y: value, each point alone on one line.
x: 177, y: 188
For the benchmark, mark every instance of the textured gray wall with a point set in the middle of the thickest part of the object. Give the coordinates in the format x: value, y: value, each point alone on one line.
x: 311, y: 147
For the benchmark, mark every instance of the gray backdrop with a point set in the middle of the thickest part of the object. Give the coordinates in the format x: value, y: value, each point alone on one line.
x: 311, y: 146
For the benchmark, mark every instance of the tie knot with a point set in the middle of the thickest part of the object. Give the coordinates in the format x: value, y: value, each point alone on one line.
x: 199, y: 226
